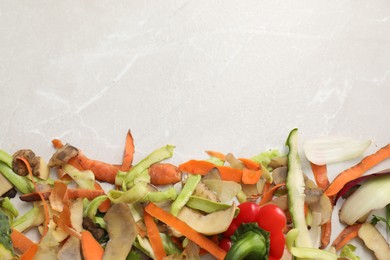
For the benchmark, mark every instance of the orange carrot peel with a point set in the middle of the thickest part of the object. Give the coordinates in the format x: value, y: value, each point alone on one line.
x: 359, y: 169
x: 154, y: 237
x: 346, y: 235
x: 186, y: 230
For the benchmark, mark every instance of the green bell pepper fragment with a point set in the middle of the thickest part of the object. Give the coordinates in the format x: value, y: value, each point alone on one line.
x: 185, y: 193
x: 21, y: 183
x: 249, y: 242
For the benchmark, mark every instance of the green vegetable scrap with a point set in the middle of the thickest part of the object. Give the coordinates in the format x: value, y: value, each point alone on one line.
x: 22, y: 184
x: 6, y: 249
x: 249, y: 242
x: 349, y: 252
x: 32, y: 218
x: 265, y: 157
x: 124, y: 179
x: 9, y: 209
x: 185, y: 193
x: 386, y: 220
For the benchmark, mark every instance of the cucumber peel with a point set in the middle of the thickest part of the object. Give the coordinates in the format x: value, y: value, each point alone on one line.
x: 295, y: 189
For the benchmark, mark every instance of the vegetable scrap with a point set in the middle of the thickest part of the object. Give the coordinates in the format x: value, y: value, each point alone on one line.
x: 228, y: 207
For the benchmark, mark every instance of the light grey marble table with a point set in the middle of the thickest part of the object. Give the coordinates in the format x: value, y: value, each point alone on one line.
x: 231, y: 76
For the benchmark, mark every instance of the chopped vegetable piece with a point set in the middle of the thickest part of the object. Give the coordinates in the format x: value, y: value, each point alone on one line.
x: 20, y: 242
x: 250, y: 176
x: 373, y: 239
x: 351, y: 185
x: 373, y: 194
x: 305, y: 252
x: 122, y: 231
x: 21, y: 183
x: 186, y: 230
x: 9, y: 209
x: 320, y: 173
x: 249, y: 242
x: 164, y: 173
x: 226, y: 190
x: 326, y: 150
x: 30, y: 253
x: 348, y: 252
x: 93, y: 206
x: 84, y: 179
x: 156, y: 156
x: 205, y: 205
x: 70, y: 250
x: 91, y: 249
x: 185, y: 194
x: 386, y: 220
x: 295, y: 188
x: 217, y: 155
x: 32, y: 218
x: 128, y: 153
x: 154, y: 237
x: 209, y: 224
x: 103, y: 171
x: 5, y: 185
x: 6, y: 249
x: 267, y: 197
x: 359, y: 169
x: 345, y: 236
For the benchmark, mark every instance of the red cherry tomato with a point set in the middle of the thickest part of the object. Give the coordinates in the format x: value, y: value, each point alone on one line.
x: 271, y: 218
x: 232, y: 228
x: 248, y: 212
x: 225, y: 244
x: 278, y: 241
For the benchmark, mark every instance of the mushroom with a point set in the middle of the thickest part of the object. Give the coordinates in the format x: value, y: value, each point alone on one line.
x: 18, y: 166
x: 209, y: 224
x: 63, y: 155
x: 122, y: 231
x: 38, y: 165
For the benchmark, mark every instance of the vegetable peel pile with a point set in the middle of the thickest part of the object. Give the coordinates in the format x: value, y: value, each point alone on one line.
x: 227, y: 207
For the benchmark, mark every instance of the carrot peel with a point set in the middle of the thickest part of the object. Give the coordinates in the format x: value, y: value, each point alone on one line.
x: 186, y: 230
x: 154, y: 236
x: 359, y: 169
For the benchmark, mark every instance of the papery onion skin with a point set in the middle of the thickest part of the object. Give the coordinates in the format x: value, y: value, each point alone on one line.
x: 327, y: 150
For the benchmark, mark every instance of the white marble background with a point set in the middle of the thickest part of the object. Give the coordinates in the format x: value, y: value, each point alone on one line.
x: 232, y: 76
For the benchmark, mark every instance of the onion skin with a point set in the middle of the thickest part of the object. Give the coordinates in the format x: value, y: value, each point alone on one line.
x: 356, y: 182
